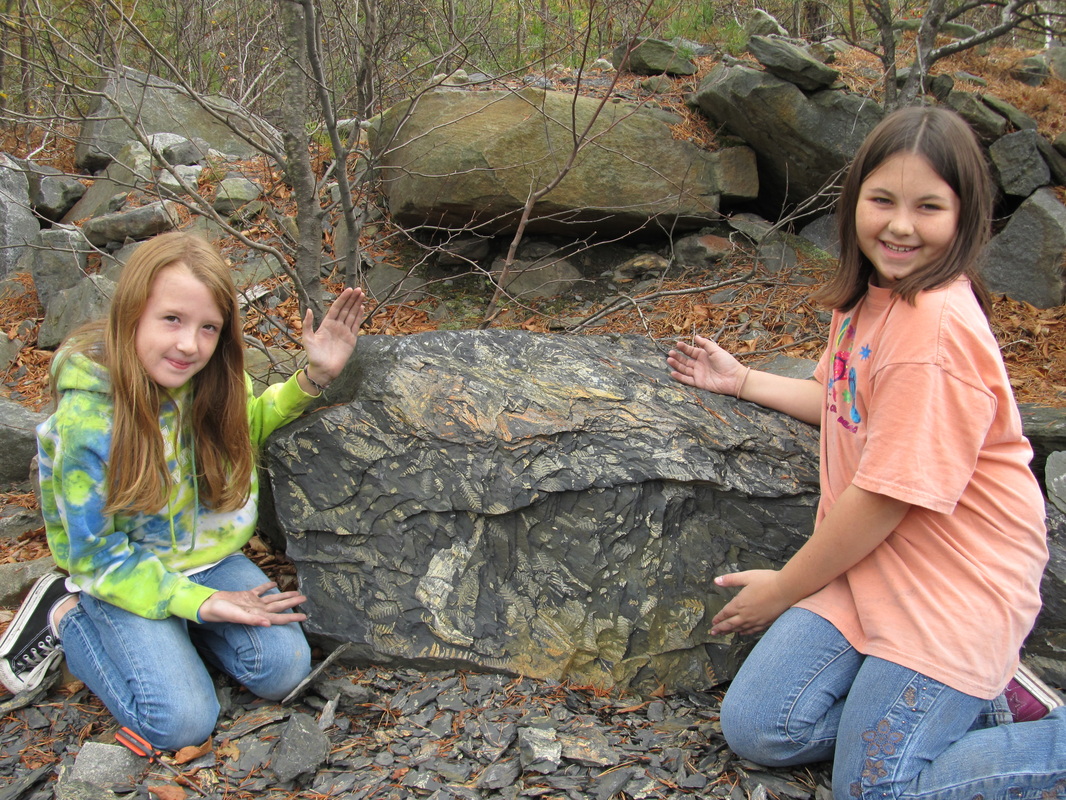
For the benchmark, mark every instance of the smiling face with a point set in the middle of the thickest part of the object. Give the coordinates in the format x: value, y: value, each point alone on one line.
x: 906, y: 218
x: 178, y: 331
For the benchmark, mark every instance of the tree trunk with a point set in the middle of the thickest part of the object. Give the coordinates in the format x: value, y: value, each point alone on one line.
x: 298, y: 171
x: 880, y: 12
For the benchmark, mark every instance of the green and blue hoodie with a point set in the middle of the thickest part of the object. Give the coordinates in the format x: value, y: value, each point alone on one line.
x: 139, y: 562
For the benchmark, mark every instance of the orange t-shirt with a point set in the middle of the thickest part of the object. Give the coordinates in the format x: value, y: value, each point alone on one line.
x: 919, y: 408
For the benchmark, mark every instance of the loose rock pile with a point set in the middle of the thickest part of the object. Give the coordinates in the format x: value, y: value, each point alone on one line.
x: 382, y: 733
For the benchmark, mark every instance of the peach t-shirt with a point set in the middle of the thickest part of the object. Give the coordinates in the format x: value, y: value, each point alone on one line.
x: 919, y: 408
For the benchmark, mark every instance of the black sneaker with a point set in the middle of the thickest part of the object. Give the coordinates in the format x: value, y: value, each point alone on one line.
x: 28, y: 647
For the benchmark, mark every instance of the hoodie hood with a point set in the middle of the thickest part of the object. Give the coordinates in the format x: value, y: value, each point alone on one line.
x: 78, y: 372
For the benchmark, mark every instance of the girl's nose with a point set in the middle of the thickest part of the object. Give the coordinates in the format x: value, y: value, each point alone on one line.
x: 187, y: 341
x: 901, y: 223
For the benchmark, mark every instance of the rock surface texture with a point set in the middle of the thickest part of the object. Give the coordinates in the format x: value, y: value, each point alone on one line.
x: 551, y: 506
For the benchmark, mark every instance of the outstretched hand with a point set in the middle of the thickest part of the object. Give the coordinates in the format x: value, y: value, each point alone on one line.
x: 707, y: 366
x: 330, y: 346
x: 253, y: 607
x: 760, y: 601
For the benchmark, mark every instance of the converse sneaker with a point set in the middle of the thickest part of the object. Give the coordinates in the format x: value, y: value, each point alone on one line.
x: 1028, y: 697
x: 28, y: 647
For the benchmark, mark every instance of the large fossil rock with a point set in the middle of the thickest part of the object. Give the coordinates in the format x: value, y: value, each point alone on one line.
x: 547, y: 505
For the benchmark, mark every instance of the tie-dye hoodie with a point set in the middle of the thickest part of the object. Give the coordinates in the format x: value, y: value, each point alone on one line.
x: 136, y: 562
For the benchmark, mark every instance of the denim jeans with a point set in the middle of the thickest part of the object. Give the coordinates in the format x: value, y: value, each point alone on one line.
x: 804, y: 694
x: 151, y: 675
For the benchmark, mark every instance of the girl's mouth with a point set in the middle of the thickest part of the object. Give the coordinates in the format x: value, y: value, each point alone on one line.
x: 896, y: 248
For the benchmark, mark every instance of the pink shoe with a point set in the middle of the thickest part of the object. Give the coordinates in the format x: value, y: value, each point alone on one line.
x: 1028, y: 697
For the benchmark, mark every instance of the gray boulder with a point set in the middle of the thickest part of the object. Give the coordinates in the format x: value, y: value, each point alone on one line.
x: 657, y: 84
x: 1045, y: 428
x: 702, y: 249
x: 187, y: 152
x: 136, y: 224
x: 986, y: 123
x: 1031, y: 71
x: 25, y: 331
x: 554, y: 506
x: 654, y: 57
x: 824, y: 234
x: 778, y: 253
x: 52, y: 192
x: 1024, y: 260
x: 130, y: 170
x: 454, y: 159
x: 455, y: 251
x: 234, y: 193
x: 18, y: 440
x: 1019, y: 166
x: 1056, y: 60
x: 161, y: 143
x: 88, y: 300
x: 1046, y: 645
x: 1055, y: 160
x: 792, y: 63
x: 9, y: 351
x: 546, y: 277
x: 17, y: 578
x: 1055, y: 477
x: 760, y: 23
x: 1013, y: 115
x: 19, y: 227
x: 127, y: 96
x: 58, y: 261
x: 801, y: 141
x: 386, y: 283
x: 168, y: 181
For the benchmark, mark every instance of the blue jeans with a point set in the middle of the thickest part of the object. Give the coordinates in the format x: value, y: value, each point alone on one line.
x: 151, y: 675
x: 804, y: 694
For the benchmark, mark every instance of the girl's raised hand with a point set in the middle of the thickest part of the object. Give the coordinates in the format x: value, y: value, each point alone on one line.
x: 253, y: 607
x: 329, y: 348
x: 707, y: 366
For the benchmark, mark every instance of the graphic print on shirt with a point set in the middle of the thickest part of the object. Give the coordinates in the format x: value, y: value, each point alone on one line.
x: 842, y: 381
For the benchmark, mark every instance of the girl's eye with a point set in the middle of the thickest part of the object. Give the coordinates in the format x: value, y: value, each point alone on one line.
x: 170, y: 318
x: 210, y: 328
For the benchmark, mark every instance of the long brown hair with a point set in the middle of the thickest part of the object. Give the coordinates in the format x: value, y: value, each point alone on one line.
x: 949, y: 145
x: 138, y: 478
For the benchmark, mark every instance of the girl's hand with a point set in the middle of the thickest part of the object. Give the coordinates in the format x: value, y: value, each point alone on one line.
x: 253, y: 607
x: 707, y: 366
x: 757, y: 604
x: 329, y: 348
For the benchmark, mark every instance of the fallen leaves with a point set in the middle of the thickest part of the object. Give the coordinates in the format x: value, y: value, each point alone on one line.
x: 166, y: 791
x: 187, y: 754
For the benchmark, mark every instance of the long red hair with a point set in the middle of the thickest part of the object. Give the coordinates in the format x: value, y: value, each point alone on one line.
x: 138, y: 478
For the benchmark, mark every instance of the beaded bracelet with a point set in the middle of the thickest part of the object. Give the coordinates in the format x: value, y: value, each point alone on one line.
x: 315, y: 383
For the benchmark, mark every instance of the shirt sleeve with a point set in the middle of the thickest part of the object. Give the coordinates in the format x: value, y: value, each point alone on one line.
x: 278, y: 405
x: 101, y: 558
x: 923, y: 453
